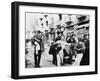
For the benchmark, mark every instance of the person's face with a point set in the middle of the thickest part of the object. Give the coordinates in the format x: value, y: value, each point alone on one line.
x: 66, y: 46
x: 39, y: 33
x: 60, y: 34
x: 52, y: 43
x: 74, y: 36
x: 87, y: 37
x: 59, y: 45
x: 79, y: 42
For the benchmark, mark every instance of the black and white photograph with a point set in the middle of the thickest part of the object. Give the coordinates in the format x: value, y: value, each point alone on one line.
x: 51, y: 40
x: 56, y: 40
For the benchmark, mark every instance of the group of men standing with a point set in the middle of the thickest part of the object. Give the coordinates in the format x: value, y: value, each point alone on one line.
x: 71, y: 48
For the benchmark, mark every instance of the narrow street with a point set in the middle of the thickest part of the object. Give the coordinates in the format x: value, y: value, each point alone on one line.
x: 46, y: 60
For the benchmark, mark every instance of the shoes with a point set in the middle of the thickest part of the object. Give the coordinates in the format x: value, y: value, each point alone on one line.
x: 37, y: 66
x: 54, y: 63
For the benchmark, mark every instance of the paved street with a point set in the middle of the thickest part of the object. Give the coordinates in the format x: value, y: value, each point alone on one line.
x: 46, y: 60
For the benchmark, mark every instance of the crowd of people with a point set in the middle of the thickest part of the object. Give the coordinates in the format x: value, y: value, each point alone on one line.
x: 64, y: 49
